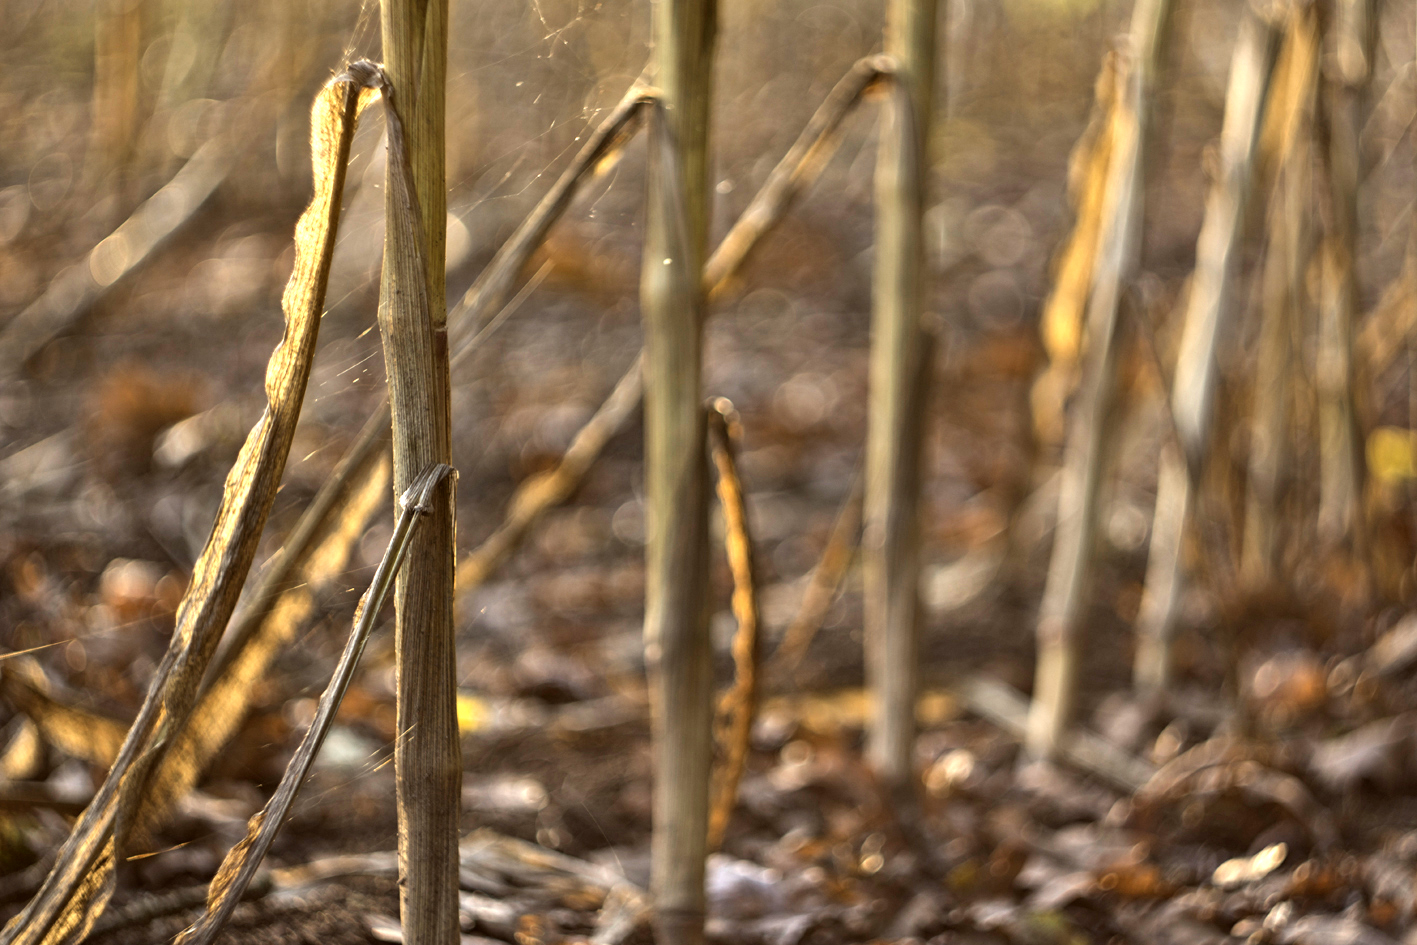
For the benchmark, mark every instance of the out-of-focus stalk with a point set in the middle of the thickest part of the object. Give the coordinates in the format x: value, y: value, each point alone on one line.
x: 890, y: 539
x: 1347, y: 74
x: 1289, y: 133
x: 1206, y: 310
x: 1066, y: 594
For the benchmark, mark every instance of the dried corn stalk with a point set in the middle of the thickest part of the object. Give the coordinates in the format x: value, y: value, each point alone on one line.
x: 1207, y: 308
x: 1286, y: 144
x: 890, y: 542
x: 1347, y: 76
x: 1089, y: 168
x: 1118, y: 249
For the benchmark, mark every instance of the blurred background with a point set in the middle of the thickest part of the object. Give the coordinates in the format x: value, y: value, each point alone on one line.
x: 116, y: 433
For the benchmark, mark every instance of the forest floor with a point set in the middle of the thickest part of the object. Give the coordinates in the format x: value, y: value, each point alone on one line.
x: 1306, y: 831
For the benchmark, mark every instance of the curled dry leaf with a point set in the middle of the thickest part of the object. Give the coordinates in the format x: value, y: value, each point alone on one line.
x: 739, y: 705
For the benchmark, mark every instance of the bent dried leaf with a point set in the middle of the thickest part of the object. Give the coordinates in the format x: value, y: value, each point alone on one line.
x: 739, y: 705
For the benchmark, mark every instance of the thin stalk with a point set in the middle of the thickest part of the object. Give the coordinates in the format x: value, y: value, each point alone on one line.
x: 1196, y: 365
x: 1282, y: 296
x: 677, y: 651
x: 1206, y: 311
x: 495, y: 282
x: 1119, y: 237
x: 797, y: 169
x: 1340, y: 440
x: 1156, y: 620
x: 413, y: 321
x: 553, y: 487
x: 890, y: 537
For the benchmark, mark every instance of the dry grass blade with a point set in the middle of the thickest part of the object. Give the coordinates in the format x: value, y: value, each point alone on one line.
x: 80, y: 883
x: 241, y: 862
x: 823, y: 583
x: 739, y: 706
x: 74, y: 291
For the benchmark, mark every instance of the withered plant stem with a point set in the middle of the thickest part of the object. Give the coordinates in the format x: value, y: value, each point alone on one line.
x: 413, y: 322
x: 678, y: 656
x: 1066, y: 594
x: 890, y: 536
x: 1207, y: 310
x: 82, y: 878
x: 1347, y: 76
x: 239, y: 867
x: 1283, y: 295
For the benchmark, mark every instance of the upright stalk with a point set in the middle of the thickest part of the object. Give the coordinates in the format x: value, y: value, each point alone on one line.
x: 1282, y: 296
x: 1065, y: 596
x: 890, y: 540
x: 1194, y: 387
x: 1196, y: 367
x: 677, y: 651
x: 1347, y: 76
x: 413, y: 320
